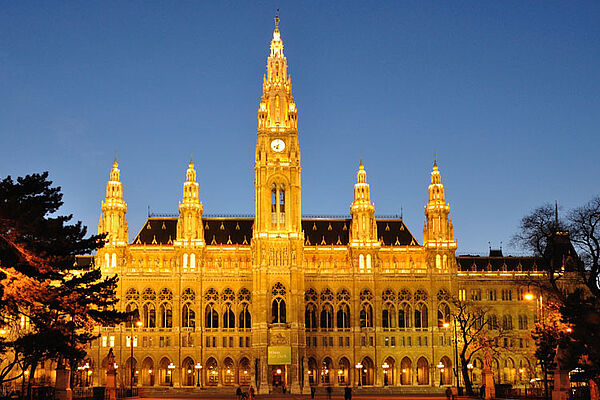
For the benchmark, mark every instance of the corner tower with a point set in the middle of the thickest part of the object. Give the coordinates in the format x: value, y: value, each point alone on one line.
x: 112, y: 222
x: 189, y: 224
x: 438, y: 232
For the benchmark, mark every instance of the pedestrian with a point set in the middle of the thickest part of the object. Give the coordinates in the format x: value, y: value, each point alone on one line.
x: 347, y: 392
x: 238, y: 393
x: 312, y: 392
x: 251, y: 392
x: 448, y: 393
x: 482, y: 391
x: 329, y: 390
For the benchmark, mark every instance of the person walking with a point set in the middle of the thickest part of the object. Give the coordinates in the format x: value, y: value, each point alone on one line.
x: 347, y: 392
x: 238, y: 393
x: 329, y: 390
x: 312, y: 392
x: 251, y: 391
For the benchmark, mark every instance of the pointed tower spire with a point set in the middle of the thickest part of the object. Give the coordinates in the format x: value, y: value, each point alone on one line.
x: 277, y: 110
x: 364, y: 228
x: 438, y: 232
x: 112, y: 221
x: 189, y: 224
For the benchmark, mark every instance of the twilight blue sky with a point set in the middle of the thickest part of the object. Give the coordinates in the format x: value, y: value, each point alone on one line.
x: 507, y: 94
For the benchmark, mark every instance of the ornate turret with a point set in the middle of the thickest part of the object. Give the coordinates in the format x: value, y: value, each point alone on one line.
x: 113, y: 222
x: 364, y: 228
x: 438, y: 233
x: 189, y: 224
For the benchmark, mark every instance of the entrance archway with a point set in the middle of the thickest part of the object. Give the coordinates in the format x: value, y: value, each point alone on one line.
x: 148, y: 372
x: 187, y: 372
x: 312, y: 371
x: 343, y: 372
x: 244, y: 372
x: 422, y: 371
x: 212, y: 372
x: 228, y: 372
x: 326, y: 371
x: 164, y: 373
x: 405, y: 371
x: 446, y: 371
x: 368, y: 372
x: 127, y: 373
x: 389, y: 371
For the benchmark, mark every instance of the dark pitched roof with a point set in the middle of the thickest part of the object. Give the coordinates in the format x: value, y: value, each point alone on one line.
x: 227, y: 231
x: 325, y: 231
x: 393, y: 232
x: 317, y: 231
x: 157, y: 231
x: 477, y: 263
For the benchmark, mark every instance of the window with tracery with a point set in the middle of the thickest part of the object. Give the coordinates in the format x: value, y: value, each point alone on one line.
x: 421, y: 315
x: 228, y: 317
x: 245, y: 319
x: 310, y: 317
x: 211, y: 317
x: 278, y: 307
x: 343, y: 316
x: 327, y: 317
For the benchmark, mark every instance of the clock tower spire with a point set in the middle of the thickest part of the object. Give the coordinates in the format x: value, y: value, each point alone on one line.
x: 277, y: 241
x: 277, y: 162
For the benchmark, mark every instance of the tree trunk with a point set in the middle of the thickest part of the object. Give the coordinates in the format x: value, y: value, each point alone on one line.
x: 30, y: 380
x: 466, y: 377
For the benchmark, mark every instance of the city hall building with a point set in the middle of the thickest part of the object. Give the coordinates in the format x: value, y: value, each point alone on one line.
x: 277, y: 299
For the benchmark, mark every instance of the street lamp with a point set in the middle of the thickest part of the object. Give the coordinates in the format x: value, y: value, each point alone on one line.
x: 171, y: 367
x: 359, y: 371
x: 198, y: 368
x: 440, y: 366
x: 139, y: 324
x: 385, y: 367
x: 470, y: 368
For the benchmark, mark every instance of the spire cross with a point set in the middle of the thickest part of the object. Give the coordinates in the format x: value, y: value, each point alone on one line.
x: 277, y: 20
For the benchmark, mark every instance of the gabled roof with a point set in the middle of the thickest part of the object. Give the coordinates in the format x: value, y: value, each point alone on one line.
x: 477, y: 263
x: 238, y: 231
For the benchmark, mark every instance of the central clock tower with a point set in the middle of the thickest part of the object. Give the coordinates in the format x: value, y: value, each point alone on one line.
x: 277, y: 242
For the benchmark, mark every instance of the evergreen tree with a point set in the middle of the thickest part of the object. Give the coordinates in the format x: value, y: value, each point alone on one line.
x: 49, y: 303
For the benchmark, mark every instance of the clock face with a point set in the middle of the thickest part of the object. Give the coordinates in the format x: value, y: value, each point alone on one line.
x: 277, y: 145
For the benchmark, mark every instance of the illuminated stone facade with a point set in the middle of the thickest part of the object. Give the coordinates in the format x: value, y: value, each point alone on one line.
x: 280, y: 298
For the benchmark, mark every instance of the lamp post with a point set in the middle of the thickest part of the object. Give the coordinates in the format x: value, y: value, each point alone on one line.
x: 470, y: 368
x: 171, y: 367
x: 198, y: 368
x: 139, y: 324
x: 359, y: 371
x: 385, y: 367
x: 440, y: 366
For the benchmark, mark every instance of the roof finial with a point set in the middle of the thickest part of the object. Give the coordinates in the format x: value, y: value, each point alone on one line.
x: 277, y: 20
x: 435, y: 160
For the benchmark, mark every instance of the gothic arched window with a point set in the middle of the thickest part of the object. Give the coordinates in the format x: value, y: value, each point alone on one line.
x: 443, y: 314
x: 228, y: 317
x: 366, y: 316
x: 188, y: 316
x: 343, y: 316
x: 245, y: 319
x: 211, y: 317
x: 310, y: 316
x: 327, y: 317
x: 404, y: 316
x: 388, y: 316
x: 149, y: 315
x: 166, y: 315
x: 278, y: 311
x: 421, y: 318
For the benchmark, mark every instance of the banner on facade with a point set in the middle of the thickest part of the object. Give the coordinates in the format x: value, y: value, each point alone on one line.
x: 279, y: 355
